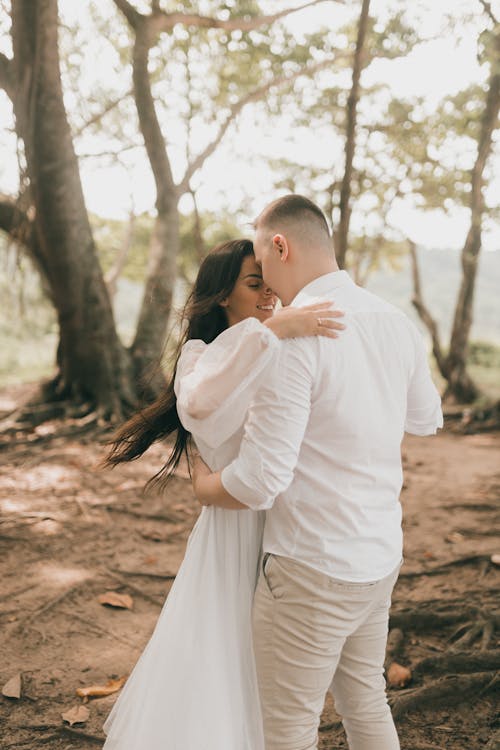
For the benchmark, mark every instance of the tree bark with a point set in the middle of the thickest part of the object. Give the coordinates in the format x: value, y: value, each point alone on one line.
x: 149, y: 340
x: 350, y: 143
x: 93, y: 364
x: 460, y: 385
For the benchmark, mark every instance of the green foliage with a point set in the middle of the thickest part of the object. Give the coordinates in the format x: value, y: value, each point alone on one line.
x: 109, y: 235
x: 484, y: 354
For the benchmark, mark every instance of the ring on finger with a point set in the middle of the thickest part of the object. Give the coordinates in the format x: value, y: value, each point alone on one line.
x: 320, y: 321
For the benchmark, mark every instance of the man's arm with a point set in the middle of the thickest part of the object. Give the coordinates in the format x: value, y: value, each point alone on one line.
x: 274, y: 431
x: 423, y: 415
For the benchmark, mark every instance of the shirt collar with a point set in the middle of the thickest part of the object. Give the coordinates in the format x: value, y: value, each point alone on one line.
x: 323, y: 285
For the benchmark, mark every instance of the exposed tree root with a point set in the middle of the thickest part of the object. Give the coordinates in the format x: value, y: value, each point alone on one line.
x: 141, y: 573
x: 446, y: 691
x: 429, y: 615
x: 330, y: 726
x: 136, y: 589
x: 98, y: 629
x: 20, y: 626
x: 475, y: 507
x: 494, y: 741
x: 167, y: 518
x: 486, y: 419
x: 94, y: 738
x: 462, y: 663
x: 443, y: 567
x: 467, y: 633
x: 90, y: 423
x: 394, y: 646
x: 17, y: 592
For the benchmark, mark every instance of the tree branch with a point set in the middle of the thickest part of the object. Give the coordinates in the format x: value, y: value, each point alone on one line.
x: 488, y: 9
x: 350, y: 142
x: 131, y: 14
x: 254, y: 96
x: 424, y: 314
x: 6, y: 75
x: 99, y: 115
x: 166, y: 21
x: 17, y: 223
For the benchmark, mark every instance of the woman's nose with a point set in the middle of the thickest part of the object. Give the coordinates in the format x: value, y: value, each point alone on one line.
x: 268, y: 291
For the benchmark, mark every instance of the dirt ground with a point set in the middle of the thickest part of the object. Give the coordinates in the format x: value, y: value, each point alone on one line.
x: 70, y: 532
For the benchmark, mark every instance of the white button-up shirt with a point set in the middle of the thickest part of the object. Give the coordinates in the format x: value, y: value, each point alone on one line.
x: 322, y: 444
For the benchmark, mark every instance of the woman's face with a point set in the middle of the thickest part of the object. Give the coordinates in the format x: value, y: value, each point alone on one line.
x: 250, y: 297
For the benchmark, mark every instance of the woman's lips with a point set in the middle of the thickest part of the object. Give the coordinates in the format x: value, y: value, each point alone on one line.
x: 265, y: 307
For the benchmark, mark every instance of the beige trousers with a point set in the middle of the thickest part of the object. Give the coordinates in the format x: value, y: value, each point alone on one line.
x: 313, y: 633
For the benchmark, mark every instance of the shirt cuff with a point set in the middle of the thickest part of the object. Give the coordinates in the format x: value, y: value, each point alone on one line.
x: 239, y: 490
x: 425, y: 426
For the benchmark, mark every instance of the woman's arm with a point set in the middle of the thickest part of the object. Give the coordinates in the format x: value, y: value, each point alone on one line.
x: 318, y: 319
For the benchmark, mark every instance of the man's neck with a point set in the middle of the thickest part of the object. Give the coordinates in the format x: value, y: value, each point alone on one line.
x: 307, y: 275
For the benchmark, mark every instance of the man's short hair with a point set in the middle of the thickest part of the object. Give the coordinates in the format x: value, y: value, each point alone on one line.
x: 296, y: 208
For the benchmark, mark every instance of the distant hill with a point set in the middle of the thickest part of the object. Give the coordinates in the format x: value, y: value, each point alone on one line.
x: 441, y: 275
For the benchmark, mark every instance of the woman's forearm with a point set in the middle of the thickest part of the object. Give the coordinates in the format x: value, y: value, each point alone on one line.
x: 209, y: 490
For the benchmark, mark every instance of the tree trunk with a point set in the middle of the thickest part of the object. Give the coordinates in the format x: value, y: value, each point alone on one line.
x: 352, y: 103
x: 460, y: 385
x: 149, y: 341
x: 93, y: 364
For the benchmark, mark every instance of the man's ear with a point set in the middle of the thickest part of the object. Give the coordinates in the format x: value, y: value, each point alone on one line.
x: 280, y: 245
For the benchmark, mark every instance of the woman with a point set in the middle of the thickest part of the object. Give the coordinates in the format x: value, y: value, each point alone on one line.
x: 194, y: 687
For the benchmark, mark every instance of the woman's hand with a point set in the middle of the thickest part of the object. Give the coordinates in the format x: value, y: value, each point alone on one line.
x: 199, y: 472
x: 318, y: 319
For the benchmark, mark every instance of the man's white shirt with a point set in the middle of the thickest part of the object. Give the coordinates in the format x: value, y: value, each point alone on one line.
x: 321, y: 450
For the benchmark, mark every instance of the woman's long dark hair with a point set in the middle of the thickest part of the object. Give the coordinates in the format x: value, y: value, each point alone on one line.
x: 202, y: 318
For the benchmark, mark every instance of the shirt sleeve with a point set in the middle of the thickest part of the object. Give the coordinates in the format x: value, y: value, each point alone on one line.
x: 216, y: 382
x: 424, y: 415
x: 274, y: 430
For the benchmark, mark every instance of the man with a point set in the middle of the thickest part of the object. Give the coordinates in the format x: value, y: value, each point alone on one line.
x: 321, y: 453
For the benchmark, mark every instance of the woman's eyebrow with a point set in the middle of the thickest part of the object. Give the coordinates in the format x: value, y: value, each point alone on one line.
x: 253, y: 276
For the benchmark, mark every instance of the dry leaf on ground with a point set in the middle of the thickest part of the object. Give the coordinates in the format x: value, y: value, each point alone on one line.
x: 454, y: 537
x: 114, y: 599
x: 12, y: 688
x: 76, y: 715
x: 99, y: 691
x: 397, y: 675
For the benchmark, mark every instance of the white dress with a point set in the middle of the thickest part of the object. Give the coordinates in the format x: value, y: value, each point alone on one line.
x: 194, y: 686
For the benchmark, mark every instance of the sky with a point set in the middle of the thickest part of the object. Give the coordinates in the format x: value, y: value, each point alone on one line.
x: 238, y: 177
